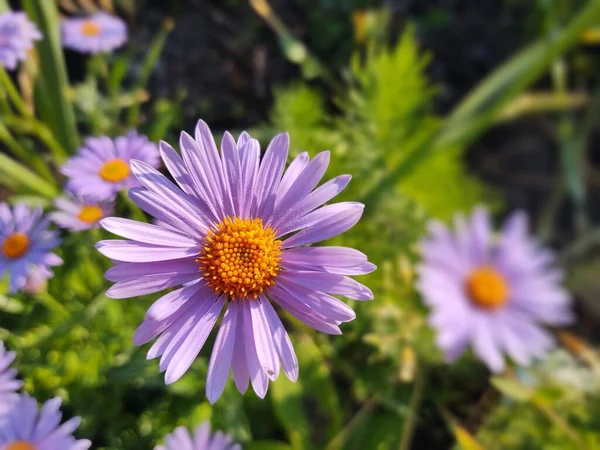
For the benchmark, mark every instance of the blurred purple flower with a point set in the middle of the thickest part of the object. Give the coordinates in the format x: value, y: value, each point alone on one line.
x: 9, y: 384
x: 26, y: 243
x: 27, y: 427
x: 17, y: 34
x: 77, y: 214
x: 101, y: 169
x: 181, y: 439
x: 37, y: 279
x: 491, y: 293
x: 234, y: 232
x: 99, y: 33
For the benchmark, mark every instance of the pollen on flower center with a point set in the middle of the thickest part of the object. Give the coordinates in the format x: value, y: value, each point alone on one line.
x: 487, y: 288
x: 240, y: 257
x: 20, y: 445
x: 114, y: 171
x: 90, y: 213
x: 15, y: 245
x: 90, y: 29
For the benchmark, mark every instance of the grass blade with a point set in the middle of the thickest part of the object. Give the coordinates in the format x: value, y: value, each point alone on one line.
x: 22, y: 175
x: 52, y: 84
x: 149, y: 62
x: 478, y: 110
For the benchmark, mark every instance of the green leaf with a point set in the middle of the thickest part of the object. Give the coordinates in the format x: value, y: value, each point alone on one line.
x: 51, y: 84
x: 479, y: 109
x: 512, y: 388
x: 465, y: 440
x: 377, y: 430
x: 166, y: 113
x: 313, y: 392
x: 21, y: 174
x: 289, y: 409
x: 148, y: 65
x: 267, y: 445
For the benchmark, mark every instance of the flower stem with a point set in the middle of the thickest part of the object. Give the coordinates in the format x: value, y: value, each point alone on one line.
x: 415, y: 403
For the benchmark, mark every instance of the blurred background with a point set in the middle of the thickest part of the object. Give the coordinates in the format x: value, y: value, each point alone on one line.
x: 434, y: 106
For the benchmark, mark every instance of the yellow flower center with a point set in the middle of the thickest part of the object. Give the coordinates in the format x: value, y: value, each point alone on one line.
x: 114, y: 171
x: 15, y: 245
x: 90, y: 213
x: 90, y: 29
x: 20, y: 445
x: 487, y: 288
x: 240, y: 257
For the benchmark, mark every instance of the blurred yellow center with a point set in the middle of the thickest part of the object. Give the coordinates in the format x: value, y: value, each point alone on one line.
x: 15, y: 245
x: 240, y: 257
x: 20, y: 445
x: 487, y: 288
x: 114, y: 171
x: 89, y: 28
x: 90, y: 213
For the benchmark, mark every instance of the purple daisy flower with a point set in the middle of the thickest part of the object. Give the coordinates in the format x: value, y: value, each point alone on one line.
x: 78, y: 214
x: 493, y: 293
x: 26, y: 243
x: 37, y: 279
x: 101, y: 169
x: 17, y: 34
x: 9, y: 384
x: 27, y: 427
x: 234, y: 232
x: 99, y: 33
x: 181, y: 439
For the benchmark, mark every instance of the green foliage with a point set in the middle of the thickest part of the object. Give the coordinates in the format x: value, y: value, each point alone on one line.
x: 383, y: 121
x: 362, y: 390
x: 557, y: 408
x: 52, y: 83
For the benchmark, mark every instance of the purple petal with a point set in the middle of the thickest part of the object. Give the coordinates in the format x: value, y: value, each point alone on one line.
x: 258, y: 377
x: 282, y: 341
x: 171, y: 302
x: 263, y: 340
x: 291, y: 174
x: 157, y: 183
x: 176, y: 168
x: 249, y: 159
x: 127, y: 271
x: 287, y: 222
x: 325, y: 256
x: 304, y: 183
x: 324, y: 304
x: 199, y: 170
x: 147, y: 285
x: 485, y: 344
x: 191, y: 346
x: 328, y: 221
x: 173, y: 214
x: 131, y: 251
x: 269, y: 175
x: 149, y: 329
x: 205, y: 140
x: 330, y: 283
x: 239, y: 365
x: 147, y: 233
x: 480, y: 235
x: 302, y: 312
x: 220, y: 358
x: 232, y: 171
